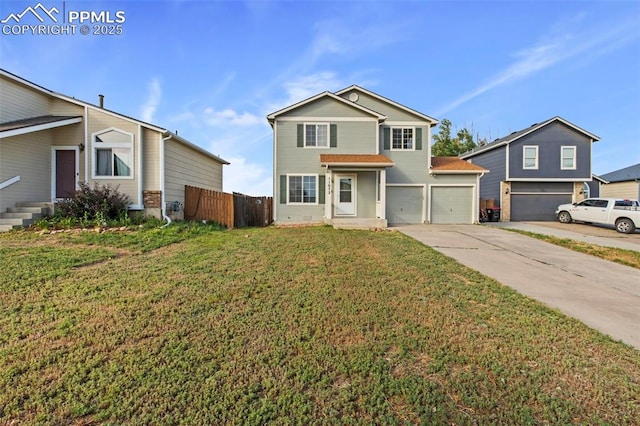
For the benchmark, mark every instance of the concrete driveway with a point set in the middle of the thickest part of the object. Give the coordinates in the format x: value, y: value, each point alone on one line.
x: 602, y: 294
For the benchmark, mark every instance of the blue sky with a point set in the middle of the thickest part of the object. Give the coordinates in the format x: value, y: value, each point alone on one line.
x: 213, y: 70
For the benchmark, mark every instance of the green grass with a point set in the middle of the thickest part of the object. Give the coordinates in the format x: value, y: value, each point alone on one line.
x: 613, y: 254
x: 287, y: 326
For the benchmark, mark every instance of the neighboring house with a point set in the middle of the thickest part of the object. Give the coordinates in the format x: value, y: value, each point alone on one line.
x: 356, y: 159
x: 50, y: 142
x: 623, y: 183
x: 536, y: 169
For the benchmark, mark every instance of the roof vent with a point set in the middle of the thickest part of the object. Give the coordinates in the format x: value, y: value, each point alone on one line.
x: 101, y: 101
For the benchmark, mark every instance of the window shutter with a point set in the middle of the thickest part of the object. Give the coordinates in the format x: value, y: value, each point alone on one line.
x: 387, y: 138
x: 321, y: 185
x: 333, y: 135
x: 418, y: 138
x: 300, y: 135
x: 283, y: 189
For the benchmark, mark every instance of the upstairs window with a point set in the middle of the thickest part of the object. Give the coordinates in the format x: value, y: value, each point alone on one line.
x: 568, y: 158
x: 112, y: 154
x: 316, y: 135
x: 530, y: 157
x: 402, y: 138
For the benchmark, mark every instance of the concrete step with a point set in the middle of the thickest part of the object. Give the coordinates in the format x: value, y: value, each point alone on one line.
x: 5, y: 228
x: 20, y: 215
x: 34, y: 210
x: 16, y: 222
x: 43, y: 204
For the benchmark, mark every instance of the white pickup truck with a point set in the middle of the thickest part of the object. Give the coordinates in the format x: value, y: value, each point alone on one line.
x: 623, y: 214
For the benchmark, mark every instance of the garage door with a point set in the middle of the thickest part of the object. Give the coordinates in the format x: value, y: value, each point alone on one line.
x: 452, y: 204
x: 538, y: 200
x: 404, y: 204
x: 537, y: 207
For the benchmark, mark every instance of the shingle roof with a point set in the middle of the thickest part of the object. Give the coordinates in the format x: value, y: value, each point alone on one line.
x: 623, y: 175
x: 34, y: 121
x: 454, y: 164
x: 355, y: 159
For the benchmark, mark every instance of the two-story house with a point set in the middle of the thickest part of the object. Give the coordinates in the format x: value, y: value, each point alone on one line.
x: 536, y: 169
x: 49, y: 142
x: 354, y: 158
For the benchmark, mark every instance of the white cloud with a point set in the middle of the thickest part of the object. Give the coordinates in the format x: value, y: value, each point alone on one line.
x: 153, y: 100
x: 304, y: 87
x: 230, y: 116
x: 246, y: 177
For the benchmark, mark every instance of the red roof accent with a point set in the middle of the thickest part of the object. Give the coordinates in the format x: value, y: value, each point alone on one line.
x: 354, y: 158
x: 454, y: 164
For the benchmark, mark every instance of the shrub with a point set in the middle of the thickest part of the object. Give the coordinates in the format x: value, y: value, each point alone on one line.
x: 101, y: 203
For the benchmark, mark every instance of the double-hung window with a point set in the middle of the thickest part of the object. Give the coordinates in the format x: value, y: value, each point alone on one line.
x: 302, y: 189
x: 402, y: 138
x: 568, y: 157
x: 112, y: 154
x: 316, y: 135
x: 530, y: 157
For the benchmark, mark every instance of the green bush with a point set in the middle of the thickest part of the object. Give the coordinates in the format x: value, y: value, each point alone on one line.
x: 99, y: 204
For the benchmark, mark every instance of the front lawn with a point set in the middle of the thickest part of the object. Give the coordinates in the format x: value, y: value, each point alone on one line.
x: 192, y: 325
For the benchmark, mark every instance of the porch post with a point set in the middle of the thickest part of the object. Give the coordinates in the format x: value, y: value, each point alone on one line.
x: 383, y: 193
x: 328, y: 197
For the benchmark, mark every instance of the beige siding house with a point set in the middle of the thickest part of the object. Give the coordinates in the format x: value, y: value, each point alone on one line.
x: 354, y: 159
x: 622, y: 183
x: 50, y: 142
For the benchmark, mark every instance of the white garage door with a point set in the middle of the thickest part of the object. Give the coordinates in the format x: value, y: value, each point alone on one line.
x: 404, y: 204
x: 452, y: 204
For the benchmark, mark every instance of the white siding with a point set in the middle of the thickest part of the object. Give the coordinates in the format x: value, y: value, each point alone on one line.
x: 620, y: 190
x: 20, y: 102
x: 60, y: 107
x: 27, y: 156
x: 150, y: 160
x: 186, y: 166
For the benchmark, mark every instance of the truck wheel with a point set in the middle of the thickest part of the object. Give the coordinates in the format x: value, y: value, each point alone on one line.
x: 625, y: 226
x: 564, y: 217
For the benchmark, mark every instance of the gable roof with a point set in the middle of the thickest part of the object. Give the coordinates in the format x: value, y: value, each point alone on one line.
x: 623, y: 175
x: 520, y: 133
x: 271, y: 117
x: 165, y: 133
x: 432, y: 120
x: 443, y: 165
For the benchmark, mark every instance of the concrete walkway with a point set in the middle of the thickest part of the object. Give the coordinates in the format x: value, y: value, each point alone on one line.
x: 602, y: 294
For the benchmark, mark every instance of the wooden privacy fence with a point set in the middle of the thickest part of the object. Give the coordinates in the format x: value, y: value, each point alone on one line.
x: 231, y: 210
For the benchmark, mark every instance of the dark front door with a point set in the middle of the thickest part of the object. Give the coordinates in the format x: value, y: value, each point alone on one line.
x: 65, y: 173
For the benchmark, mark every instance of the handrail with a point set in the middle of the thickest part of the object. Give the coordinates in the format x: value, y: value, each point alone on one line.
x: 9, y: 182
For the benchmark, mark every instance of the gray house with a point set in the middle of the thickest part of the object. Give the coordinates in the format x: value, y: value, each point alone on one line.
x: 356, y: 159
x: 623, y: 183
x: 536, y: 169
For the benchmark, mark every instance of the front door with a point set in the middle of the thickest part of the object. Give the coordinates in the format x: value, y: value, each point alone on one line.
x: 345, y: 195
x: 66, y: 172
